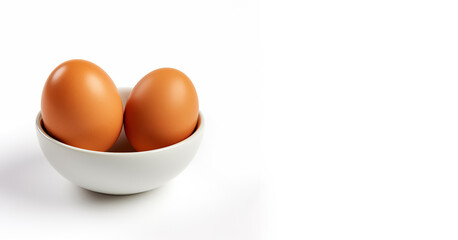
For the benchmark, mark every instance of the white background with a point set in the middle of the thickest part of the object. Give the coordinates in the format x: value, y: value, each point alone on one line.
x: 325, y: 119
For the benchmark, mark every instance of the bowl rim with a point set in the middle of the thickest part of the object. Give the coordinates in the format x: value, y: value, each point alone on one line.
x: 198, y: 131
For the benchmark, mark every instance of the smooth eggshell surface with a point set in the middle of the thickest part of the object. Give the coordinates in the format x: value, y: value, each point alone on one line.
x: 80, y: 106
x: 161, y: 110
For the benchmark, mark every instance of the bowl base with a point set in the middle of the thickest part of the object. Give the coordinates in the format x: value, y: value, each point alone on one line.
x: 117, y: 194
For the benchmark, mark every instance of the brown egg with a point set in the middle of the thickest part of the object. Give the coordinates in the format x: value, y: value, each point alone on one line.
x: 81, y: 106
x: 162, y: 110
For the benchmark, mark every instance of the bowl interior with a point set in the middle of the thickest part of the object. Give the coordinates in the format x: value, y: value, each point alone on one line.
x: 122, y: 144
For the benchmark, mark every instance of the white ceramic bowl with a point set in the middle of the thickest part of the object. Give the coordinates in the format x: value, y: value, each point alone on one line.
x: 119, y: 171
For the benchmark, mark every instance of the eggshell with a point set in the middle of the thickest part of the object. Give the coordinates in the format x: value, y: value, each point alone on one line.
x: 161, y: 110
x: 80, y: 106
